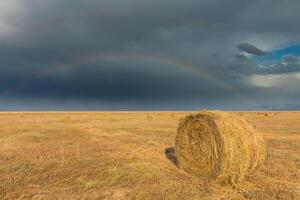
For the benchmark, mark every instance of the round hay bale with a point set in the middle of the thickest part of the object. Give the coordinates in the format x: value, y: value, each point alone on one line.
x: 219, y: 146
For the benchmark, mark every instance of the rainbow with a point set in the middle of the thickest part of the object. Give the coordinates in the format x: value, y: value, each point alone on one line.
x: 166, y: 61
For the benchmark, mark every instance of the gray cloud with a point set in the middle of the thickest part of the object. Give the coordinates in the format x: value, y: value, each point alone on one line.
x: 154, y: 52
x: 241, y: 57
x: 251, y: 49
x: 290, y: 58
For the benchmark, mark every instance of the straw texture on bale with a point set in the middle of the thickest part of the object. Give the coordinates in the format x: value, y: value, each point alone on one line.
x: 218, y: 145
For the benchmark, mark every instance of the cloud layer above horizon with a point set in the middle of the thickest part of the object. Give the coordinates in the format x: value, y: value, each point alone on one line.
x: 130, y: 54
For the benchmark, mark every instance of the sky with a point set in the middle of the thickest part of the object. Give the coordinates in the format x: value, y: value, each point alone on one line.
x: 149, y: 55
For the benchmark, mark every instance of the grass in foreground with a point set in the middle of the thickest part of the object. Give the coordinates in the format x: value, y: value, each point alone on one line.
x: 121, y: 156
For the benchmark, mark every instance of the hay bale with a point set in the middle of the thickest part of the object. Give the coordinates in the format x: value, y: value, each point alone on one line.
x: 218, y: 145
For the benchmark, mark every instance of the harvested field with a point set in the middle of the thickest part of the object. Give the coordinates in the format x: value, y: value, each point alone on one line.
x: 129, y: 156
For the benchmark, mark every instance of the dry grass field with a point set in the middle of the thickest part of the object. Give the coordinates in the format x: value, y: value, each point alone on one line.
x: 122, y: 156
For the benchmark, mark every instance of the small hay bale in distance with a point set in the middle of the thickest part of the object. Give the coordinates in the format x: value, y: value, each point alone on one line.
x: 219, y: 146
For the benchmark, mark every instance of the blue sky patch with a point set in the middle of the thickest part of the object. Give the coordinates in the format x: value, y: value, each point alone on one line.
x: 277, y: 54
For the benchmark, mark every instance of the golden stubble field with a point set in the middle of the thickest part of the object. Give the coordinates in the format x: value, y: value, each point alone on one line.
x: 122, y: 156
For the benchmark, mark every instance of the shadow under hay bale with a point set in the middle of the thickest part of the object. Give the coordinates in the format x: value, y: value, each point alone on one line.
x: 219, y: 146
x: 170, y: 154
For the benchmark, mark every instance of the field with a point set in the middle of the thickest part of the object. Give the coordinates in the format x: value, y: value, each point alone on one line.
x: 122, y: 156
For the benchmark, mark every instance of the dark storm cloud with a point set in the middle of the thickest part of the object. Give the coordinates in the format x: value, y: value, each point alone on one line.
x: 251, y: 49
x: 45, y: 48
x: 108, y: 81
